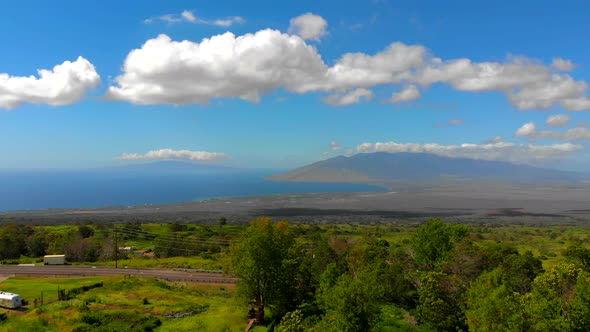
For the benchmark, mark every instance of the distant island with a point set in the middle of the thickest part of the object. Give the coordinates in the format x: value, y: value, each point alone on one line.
x: 388, y: 168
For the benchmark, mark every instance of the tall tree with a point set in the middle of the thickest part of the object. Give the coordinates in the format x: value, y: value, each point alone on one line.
x: 434, y: 240
x: 263, y: 260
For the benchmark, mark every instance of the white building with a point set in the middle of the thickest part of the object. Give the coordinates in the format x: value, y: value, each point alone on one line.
x: 10, y: 300
x: 54, y: 259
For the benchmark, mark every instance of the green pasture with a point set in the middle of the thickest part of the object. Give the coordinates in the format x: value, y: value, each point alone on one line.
x: 30, y: 288
x: 140, y: 298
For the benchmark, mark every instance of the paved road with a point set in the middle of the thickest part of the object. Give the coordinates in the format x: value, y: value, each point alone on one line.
x: 83, y: 271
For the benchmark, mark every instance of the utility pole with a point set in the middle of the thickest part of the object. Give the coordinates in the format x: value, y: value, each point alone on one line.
x: 116, y: 248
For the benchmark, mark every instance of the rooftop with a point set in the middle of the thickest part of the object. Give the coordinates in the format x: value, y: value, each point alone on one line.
x: 5, y: 295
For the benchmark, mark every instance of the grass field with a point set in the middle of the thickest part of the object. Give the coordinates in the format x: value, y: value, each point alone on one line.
x: 31, y: 288
x: 125, y: 299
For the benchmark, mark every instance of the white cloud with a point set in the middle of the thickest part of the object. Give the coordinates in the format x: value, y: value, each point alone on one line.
x: 494, y: 140
x: 349, y: 98
x: 456, y: 122
x: 544, y: 94
x: 409, y: 93
x: 64, y: 84
x: 335, y: 146
x: 163, y: 71
x: 188, y: 16
x: 573, y: 134
x: 527, y: 83
x: 463, y: 74
x: 562, y: 64
x: 308, y: 26
x: 559, y: 120
x: 527, y: 130
x: 247, y: 66
x: 578, y: 133
x: 168, y: 154
x: 502, y: 151
x: 392, y: 65
x: 577, y: 104
x: 229, y: 21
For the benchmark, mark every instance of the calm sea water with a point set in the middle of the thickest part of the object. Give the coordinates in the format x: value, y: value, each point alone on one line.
x: 83, y: 189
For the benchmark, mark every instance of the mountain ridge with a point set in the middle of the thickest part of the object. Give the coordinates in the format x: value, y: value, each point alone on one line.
x: 379, y: 167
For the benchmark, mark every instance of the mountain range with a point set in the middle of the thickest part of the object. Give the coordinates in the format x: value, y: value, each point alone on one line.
x: 381, y: 167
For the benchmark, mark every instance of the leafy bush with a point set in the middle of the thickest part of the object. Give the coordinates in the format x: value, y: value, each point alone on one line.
x: 120, y: 321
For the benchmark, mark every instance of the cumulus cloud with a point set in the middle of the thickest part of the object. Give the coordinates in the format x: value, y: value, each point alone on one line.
x: 188, y: 16
x: 559, y: 120
x: 501, y: 151
x: 409, y: 93
x: 578, y: 133
x: 527, y: 83
x: 163, y: 71
x: 247, y: 66
x: 65, y: 84
x: 573, y: 134
x: 308, y: 26
x: 576, y: 104
x: 349, y: 98
x: 527, y: 130
x: 544, y: 94
x: 169, y: 154
x: 562, y: 64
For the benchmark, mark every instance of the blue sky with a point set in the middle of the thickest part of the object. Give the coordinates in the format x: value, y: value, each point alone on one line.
x: 295, y: 83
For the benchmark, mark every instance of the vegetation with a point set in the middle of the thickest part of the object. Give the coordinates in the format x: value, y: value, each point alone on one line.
x: 383, y: 277
x: 120, y: 305
x: 439, y: 279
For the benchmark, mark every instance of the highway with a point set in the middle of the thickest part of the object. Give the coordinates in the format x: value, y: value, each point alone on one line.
x: 84, y: 271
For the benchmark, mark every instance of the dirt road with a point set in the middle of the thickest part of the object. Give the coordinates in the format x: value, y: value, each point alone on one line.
x: 83, y: 271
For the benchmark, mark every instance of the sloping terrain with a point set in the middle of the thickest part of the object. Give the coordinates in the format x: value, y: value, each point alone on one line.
x: 383, y: 167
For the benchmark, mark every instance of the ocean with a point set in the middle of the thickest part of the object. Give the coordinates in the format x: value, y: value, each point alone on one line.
x: 28, y: 190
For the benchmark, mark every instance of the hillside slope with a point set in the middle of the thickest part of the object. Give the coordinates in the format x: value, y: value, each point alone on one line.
x: 386, y: 167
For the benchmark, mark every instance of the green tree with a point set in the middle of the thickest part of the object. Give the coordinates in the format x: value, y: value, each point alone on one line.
x: 434, y: 240
x: 547, y: 305
x: 263, y: 260
x: 579, y: 309
x: 520, y: 271
x: 493, y: 306
x: 85, y: 231
x: 440, y: 302
x: 222, y: 221
x: 351, y: 304
x: 36, y: 244
x: 292, y: 322
x: 579, y: 255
